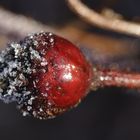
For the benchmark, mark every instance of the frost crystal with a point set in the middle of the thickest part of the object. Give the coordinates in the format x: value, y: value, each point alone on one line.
x: 17, y: 63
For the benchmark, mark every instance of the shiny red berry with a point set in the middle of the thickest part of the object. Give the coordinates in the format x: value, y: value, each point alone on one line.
x: 57, y: 75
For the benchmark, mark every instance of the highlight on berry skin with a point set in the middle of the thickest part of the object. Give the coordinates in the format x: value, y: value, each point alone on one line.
x: 44, y: 74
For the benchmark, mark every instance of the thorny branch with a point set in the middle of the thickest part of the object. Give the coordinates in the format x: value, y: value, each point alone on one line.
x: 94, y: 18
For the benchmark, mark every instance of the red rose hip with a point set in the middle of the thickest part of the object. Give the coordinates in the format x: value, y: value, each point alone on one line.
x: 51, y: 73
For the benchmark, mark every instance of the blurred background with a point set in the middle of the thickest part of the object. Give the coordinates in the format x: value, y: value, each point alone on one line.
x: 105, y: 114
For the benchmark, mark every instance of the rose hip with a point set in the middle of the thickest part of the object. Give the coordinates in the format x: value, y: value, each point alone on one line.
x: 49, y: 75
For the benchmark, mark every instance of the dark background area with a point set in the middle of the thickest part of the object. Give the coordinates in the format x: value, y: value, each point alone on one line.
x: 106, y: 114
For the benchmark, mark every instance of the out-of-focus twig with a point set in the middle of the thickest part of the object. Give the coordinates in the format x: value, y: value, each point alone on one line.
x: 94, y: 18
x: 19, y: 25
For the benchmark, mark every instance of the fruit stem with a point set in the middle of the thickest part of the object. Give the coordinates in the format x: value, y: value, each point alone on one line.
x: 107, y: 78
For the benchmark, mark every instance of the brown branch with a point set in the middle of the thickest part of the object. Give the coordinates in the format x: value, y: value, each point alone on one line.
x: 95, y: 18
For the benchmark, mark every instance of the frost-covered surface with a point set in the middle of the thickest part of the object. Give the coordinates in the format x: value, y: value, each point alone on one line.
x: 18, y: 63
x: 14, y: 66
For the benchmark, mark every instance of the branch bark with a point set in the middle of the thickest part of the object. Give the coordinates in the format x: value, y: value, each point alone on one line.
x: 94, y: 18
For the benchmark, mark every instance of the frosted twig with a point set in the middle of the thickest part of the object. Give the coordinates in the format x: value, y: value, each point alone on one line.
x: 94, y: 18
